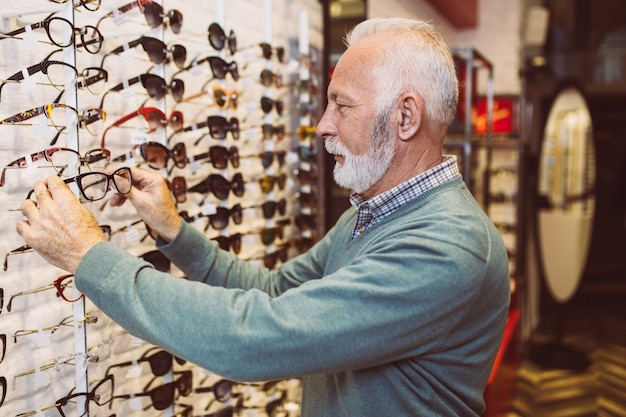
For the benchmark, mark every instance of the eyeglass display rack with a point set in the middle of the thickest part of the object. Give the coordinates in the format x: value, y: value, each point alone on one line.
x: 58, y: 352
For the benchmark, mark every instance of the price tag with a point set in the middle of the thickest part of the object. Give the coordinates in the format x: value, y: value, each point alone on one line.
x: 134, y: 370
x: 129, y: 53
x: 43, y: 340
x: 135, y: 403
x: 28, y: 83
x: 196, y: 70
x: 136, y: 342
x: 41, y: 379
x: 194, y: 166
x: 139, y: 136
x: 209, y: 208
x: 30, y: 39
x: 131, y: 234
x: 119, y: 18
x: 127, y: 92
x: 31, y: 168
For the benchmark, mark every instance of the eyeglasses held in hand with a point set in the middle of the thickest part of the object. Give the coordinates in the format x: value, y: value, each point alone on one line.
x: 154, y: 116
x: 155, y: 86
x: 62, y: 33
x: 220, y: 186
x: 65, y: 161
x: 93, y: 186
x: 218, y: 39
x: 93, y: 79
x: 157, y: 155
x: 156, y: 49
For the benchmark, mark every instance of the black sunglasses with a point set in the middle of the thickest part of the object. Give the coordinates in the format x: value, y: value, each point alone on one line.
x: 219, y: 219
x: 157, y: 51
x: 219, y: 156
x: 160, y: 361
x: 229, y: 242
x: 219, y: 67
x: 163, y: 396
x: 218, y: 126
x: 220, y: 186
x: 156, y: 87
x: 218, y: 39
x: 155, y: 17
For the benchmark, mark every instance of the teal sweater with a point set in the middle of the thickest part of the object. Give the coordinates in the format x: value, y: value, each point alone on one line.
x: 404, y: 320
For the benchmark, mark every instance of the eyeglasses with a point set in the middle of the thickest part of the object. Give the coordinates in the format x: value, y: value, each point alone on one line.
x: 101, y: 394
x: 156, y: 49
x: 219, y: 156
x: 267, y: 182
x: 92, y: 78
x: 61, y: 284
x: 229, y: 242
x: 218, y: 39
x: 220, y: 186
x: 91, y: 5
x: 62, y: 33
x: 164, y: 395
x: 63, y: 160
x: 218, y: 127
x: 67, y: 321
x: 267, y: 104
x: 154, y: 116
x: 60, y: 287
x: 156, y: 16
x: 160, y: 361
x: 93, y: 186
x: 132, y: 234
x: 106, y: 229
x: 154, y: 85
x: 61, y: 116
x: 157, y: 155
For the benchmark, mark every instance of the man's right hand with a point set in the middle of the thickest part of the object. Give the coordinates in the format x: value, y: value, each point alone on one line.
x: 152, y: 199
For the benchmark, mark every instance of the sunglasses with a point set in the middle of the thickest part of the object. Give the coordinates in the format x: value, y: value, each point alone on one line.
x: 267, y: 104
x: 63, y: 160
x: 218, y: 127
x: 156, y: 49
x: 228, y: 243
x: 269, y: 208
x: 156, y: 155
x: 268, y: 157
x: 222, y: 390
x: 93, y: 186
x: 62, y: 33
x: 154, y: 116
x: 270, y: 130
x: 267, y: 182
x: 93, y: 79
x: 218, y: 39
x: 160, y: 361
x: 156, y: 16
x: 164, y: 395
x: 219, y: 219
x: 156, y: 87
x: 270, y: 259
x: 157, y: 259
x: 219, y: 156
x: 270, y: 234
x: 269, y: 78
x: 220, y: 186
x: 219, y: 67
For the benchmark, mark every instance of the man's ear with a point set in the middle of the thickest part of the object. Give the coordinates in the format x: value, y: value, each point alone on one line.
x: 410, y: 108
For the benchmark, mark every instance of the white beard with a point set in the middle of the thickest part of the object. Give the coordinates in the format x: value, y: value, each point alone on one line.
x: 361, y: 172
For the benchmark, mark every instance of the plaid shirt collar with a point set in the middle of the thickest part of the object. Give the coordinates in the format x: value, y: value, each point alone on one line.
x: 372, y: 211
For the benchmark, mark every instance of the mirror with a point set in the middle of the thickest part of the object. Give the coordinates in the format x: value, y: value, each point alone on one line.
x: 566, y: 182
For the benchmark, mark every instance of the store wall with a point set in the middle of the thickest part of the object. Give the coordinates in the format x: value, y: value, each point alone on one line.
x: 46, y: 359
x: 497, y: 36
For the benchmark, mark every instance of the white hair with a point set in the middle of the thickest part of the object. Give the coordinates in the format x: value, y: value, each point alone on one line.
x: 417, y: 60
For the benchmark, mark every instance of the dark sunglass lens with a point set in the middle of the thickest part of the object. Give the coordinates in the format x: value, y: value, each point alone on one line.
x: 217, y: 37
x: 218, y: 67
x: 219, y: 156
x: 266, y: 50
x: 219, y: 220
x: 234, y: 156
x: 179, y: 53
x: 219, y: 185
x: 237, y: 185
x: 236, y: 213
x: 217, y: 127
x: 153, y: 13
x: 180, y: 154
x: 232, y: 42
x: 155, y: 48
x: 176, y: 21
x: 176, y: 120
x: 178, y: 89
x: 154, y: 154
x: 154, y: 84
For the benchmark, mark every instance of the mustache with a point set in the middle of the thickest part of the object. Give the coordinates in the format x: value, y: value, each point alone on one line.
x: 334, y: 147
